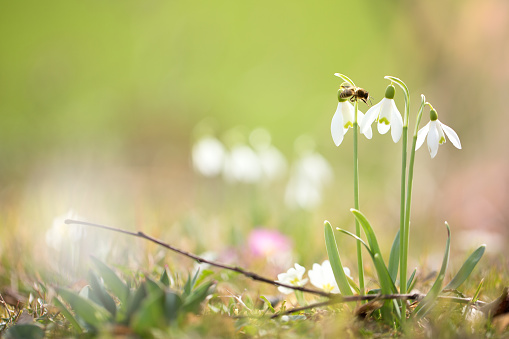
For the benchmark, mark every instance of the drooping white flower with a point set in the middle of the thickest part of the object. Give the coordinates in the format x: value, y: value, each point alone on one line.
x: 292, y: 277
x: 436, y: 136
x: 208, y: 156
x: 321, y: 276
x: 242, y: 165
x: 387, y: 115
x: 343, y: 120
x: 309, y: 176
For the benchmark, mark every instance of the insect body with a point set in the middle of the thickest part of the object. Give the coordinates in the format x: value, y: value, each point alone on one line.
x: 352, y: 92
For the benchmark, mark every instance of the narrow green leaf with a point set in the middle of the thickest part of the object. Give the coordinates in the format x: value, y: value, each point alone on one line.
x: 356, y: 238
x: 135, y: 301
x: 345, y: 78
x: 466, y: 269
x: 426, y: 303
x: 335, y: 261
x: 190, y: 283
x: 382, y: 268
x: 204, y: 274
x: 24, y: 331
x: 387, y: 286
x: 153, y: 287
x: 172, y: 306
x: 165, y: 278
x: 394, y: 259
x: 268, y: 303
x: 410, y: 283
x: 112, y: 281
x: 90, y: 312
x: 478, y: 291
x: 67, y: 314
x: 150, y: 315
x: 100, y: 294
x: 193, y: 301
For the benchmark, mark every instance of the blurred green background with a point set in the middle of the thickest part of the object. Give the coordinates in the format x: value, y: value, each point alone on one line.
x: 99, y: 101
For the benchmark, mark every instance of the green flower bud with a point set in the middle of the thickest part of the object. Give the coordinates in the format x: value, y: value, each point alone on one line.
x: 433, y: 115
x: 389, y: 92
x: 339, y: 96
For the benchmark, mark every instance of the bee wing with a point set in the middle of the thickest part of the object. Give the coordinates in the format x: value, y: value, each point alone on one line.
x: 345, y: 85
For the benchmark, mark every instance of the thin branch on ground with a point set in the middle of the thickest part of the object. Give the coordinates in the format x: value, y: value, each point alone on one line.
x: 355, y: 298
x: 333, y: 298
x: 199, y: 259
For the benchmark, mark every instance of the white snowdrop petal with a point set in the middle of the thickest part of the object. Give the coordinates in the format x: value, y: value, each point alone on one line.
x: 337, y: 126
x: 361, y: 118
x: 451, y: 134
x: 433, y: 139
x: 421, y: 136
x: 396, y: 122
x: 370, y: 117
x: 383, y: 128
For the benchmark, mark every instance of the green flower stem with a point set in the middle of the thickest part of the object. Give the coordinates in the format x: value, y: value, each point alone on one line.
x: 300, y: 298
x: 356, y: 199
x: 406, y: 237
x: 403, y: 235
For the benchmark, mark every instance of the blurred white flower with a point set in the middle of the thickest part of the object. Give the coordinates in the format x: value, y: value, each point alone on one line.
x: 61, y: 234
x: 242, y: 165
x: 321, y: 276
x: 208, y: 156
x: 292, y: 277
x: 435, y: 132
x: 343, y: 120
x: 272, y: 161
x: 387, y: 115
x: 308, y: 177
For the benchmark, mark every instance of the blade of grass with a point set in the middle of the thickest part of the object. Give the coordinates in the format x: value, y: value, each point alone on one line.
x: 335, y: 260
x: 394, y: 259
x: 466, y: 269
x: 112, y: 281
x: 86, y: 309
x: 410, y: 283
x: 426, y: 303
x: 68, y: 315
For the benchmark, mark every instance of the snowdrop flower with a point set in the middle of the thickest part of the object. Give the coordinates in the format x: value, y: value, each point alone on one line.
x: 321, y: 276
x: 343, y: 119
x: 208, y: 156
x: 309, y: 176
x: 242, y: 165
x: 435, y: 132
x: 272, y: 161
x: 387, y: 115
x: 292, y: 277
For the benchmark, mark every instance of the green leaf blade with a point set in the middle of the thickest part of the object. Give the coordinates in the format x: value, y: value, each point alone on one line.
x: 335, y: 261
x: 112, y: 281
x: 466, y: 269
x: 90, y: 312
x: 394, y: 259
x: 427, y: 302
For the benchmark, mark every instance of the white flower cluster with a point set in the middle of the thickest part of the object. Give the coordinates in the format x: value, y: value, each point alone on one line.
x: 242, y: 163
x: 388, y: 117
x: 261, y: 162
x: 321, y: 276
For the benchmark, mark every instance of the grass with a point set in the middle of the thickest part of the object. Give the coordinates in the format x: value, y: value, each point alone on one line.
x: 234, y: 308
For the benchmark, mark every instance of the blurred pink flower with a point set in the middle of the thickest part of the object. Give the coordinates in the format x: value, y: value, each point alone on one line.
x: 268, y: 243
